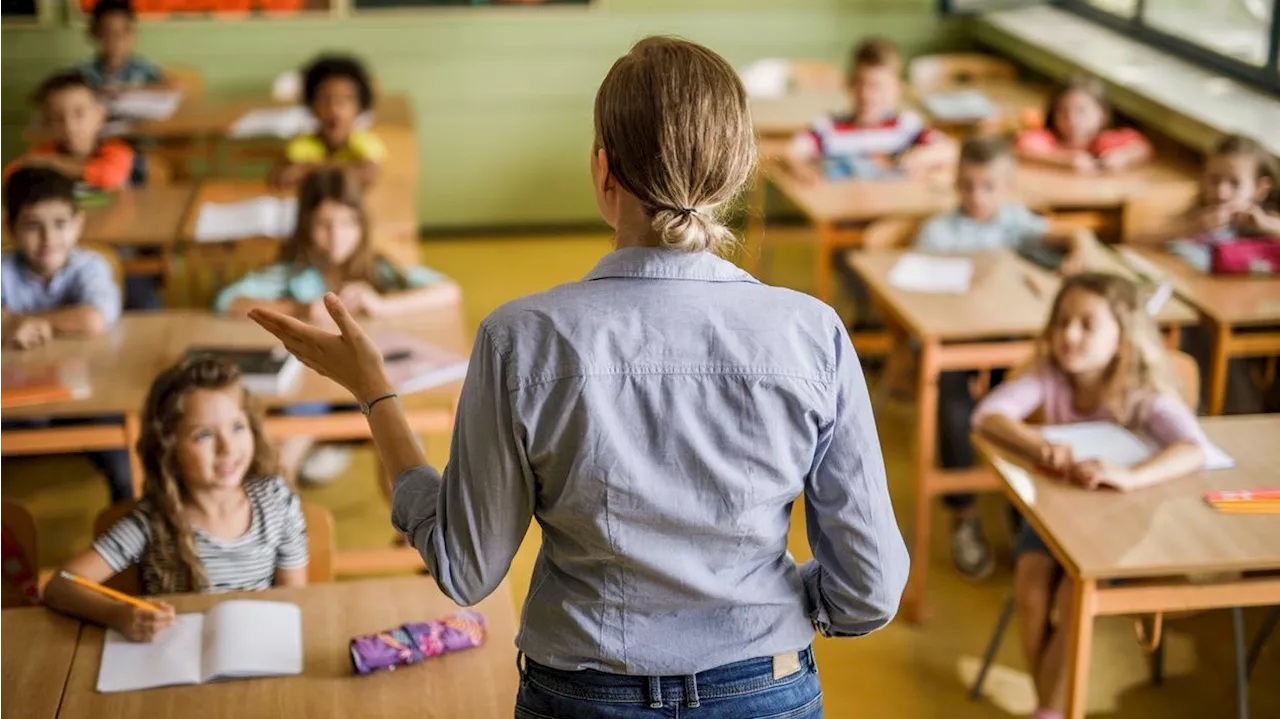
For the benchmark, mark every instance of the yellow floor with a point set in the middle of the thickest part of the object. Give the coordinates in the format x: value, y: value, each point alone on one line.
x: 903, y: 671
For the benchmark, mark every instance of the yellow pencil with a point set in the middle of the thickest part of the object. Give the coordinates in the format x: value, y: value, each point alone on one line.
x: 111, y: 593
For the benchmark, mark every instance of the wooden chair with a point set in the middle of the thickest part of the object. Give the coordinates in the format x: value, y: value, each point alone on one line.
x: 185, y: 78
x: 320, y: 544
x: 21, y: 527
x: 1147, y: 212
x: 210, y: 266
x: 936, y: 72
x: 108, y: 254
x: 814, y: 76
x: 891, y: 232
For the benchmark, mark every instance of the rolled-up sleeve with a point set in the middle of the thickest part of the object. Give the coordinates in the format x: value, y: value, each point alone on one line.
x: 96, y: 287
x: 468, y: 524
x: 855, y: 581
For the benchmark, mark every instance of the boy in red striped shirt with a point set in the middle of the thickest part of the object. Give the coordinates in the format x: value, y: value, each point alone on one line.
x: 73, y: 116
x: 876, y: 129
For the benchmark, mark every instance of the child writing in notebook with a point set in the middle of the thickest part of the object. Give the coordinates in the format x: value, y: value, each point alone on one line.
x: 1077, y: 133
x: 73, y: 116
x: 213, y: 517
x: 113, y: 28
x: 987, y: 218
x: 1099, y: 359
x: 877, y: 128
x: 338, y: 91
x: 332, y: 250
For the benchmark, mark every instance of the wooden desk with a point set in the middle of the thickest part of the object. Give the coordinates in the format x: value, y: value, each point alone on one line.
x: 478, y: 683
x: 1157, y: 536
x: 391, y: 205
x: 1011, y: 101
x: 214, y: 116
x: 38, y: 648
x: 832, y: 206
x: 1044, y: 187
x: 122, y: 364
x: 992, y: 326
x: 1229, y: 304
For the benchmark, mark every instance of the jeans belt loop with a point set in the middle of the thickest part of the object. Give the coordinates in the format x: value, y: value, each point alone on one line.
x: 655, y: 692
x: 691, y: 691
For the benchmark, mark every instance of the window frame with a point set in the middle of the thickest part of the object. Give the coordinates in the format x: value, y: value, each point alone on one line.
x: 1265, y: 77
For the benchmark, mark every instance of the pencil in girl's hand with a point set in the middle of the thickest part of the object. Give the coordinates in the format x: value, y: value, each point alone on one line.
x: 110, y: 593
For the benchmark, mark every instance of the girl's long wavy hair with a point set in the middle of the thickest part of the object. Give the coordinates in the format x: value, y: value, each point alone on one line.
x: 164, y: 490
x: 1140, y: 363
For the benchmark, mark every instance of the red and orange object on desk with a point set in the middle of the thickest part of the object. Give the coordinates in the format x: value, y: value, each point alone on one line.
x: 43, y: 384
x: 1257, y: 501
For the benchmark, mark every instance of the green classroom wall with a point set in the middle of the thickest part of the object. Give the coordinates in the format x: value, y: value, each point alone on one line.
x: 502, y: 97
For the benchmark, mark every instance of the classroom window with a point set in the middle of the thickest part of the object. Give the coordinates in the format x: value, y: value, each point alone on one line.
x: 1237, y: 38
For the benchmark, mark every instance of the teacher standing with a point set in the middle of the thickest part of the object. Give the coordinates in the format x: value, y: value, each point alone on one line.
x: 658, y: 419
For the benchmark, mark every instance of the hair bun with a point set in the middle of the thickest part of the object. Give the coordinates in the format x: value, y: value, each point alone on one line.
x: 690, y: 230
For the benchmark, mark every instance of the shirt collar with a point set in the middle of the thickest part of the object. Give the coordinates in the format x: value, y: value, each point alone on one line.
x: 658, y: 263
x: 29, y: 273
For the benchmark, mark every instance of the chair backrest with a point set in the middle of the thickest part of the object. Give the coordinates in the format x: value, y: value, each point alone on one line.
x: 214, y: 265
x: 21, y: 527
x: 814, y: 76
x: 1149, y: 210
x: 321, y: 544
x: 108, y: 254
x: 935, y: 72
x: 891, y: 232
x: 185, y: 78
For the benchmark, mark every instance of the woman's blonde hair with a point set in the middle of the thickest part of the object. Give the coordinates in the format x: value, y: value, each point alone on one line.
x: 163, y: 489
x: 333, y: 184
x: 673, y: 118
x: 1140, y: 363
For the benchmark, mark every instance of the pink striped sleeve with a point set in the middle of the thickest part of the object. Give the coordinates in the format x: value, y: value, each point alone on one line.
x: 1170, y: 421
x: 1017, y: 398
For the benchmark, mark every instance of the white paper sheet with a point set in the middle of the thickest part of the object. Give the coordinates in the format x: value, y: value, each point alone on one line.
x: 283, y: 122
x: 926, y: 273
x: 1111, y: 443
x: 172, y: 659
x: 145, y: 104
x: 959, y: 106
x: 247, y: 638
x: 265, y: 216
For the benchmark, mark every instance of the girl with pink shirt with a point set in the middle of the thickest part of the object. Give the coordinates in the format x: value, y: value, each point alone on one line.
x: 1100, y: 358
x: 1077, y: 133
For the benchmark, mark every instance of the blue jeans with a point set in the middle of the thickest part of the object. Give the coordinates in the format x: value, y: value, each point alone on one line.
x: 742, y: 690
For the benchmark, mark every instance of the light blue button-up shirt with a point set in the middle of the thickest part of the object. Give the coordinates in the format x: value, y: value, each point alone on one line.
x: 85, y: 279
x: 659, y: 419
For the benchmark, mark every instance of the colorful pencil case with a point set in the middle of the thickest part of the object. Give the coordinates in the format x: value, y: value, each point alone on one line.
x: 414, y: 642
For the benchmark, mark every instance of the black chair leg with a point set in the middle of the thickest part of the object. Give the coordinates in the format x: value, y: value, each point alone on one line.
x: 1264, y: 632
x: 1242, y: 669
x: 993, y: 646
x: 1157, y: 665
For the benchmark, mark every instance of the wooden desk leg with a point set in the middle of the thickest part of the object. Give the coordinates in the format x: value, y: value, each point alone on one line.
x: 822, y: 263
x: 913, y: 607
x: 132, y: 431
x: 1080, y: 646
x: 1218, y: 367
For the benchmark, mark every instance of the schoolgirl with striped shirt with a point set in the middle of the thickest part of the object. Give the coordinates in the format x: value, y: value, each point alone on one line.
x: 213, y: 516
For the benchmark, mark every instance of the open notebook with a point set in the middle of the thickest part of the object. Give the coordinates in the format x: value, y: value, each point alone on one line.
x: 236, y: 639
x: 145, y: 104
x: 1116, y: 445
x: 931, y: 274
x: 284, y: 122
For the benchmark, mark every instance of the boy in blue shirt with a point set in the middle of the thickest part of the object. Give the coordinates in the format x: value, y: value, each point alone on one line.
x: 113, y: 28
x: 49, y: 287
